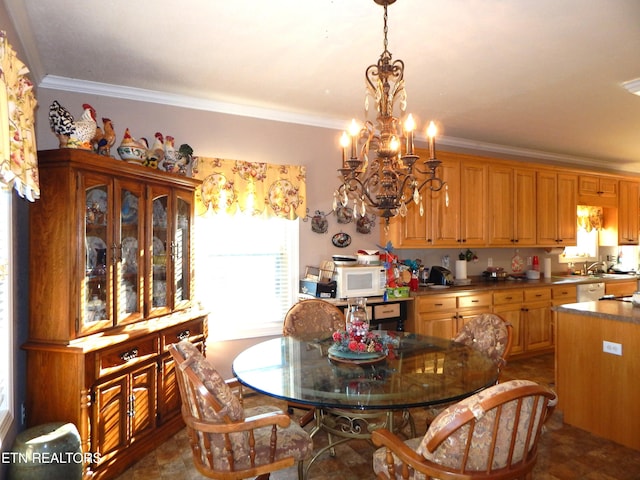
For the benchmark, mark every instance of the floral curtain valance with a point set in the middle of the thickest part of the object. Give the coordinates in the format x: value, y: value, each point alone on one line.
x: 254, y: 188
x: 18, y: 152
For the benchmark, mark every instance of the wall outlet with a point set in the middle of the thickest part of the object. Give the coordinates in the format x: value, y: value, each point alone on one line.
x: 611, y: 347
x: 489, y: 262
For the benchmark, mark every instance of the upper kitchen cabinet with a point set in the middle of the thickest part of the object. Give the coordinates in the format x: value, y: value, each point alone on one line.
x: 110, y: 245
x: 597, y: 190
x: 556, y: 208
x: 460, y: 211
x: 628, y: 211
x: 512, y: 206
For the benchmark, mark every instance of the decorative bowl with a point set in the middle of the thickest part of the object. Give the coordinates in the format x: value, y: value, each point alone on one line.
x: 132, y: 154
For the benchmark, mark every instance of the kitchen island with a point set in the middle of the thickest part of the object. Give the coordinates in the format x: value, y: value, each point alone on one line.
x: 598, y: 368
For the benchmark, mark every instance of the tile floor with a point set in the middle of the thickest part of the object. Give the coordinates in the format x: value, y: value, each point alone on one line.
x: 566, y: 453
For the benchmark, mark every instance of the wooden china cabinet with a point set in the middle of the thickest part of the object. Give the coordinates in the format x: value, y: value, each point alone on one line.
x: 111, y: 287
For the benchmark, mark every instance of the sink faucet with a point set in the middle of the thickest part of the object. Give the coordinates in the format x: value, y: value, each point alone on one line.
x: 596, y: 267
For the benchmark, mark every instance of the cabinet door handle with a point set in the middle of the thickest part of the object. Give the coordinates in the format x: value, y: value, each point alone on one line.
x: 183, y: 334
x: 132, y: 406
x: 129, y: 355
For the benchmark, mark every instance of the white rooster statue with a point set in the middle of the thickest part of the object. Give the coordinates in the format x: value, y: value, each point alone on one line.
x: 70, y: 133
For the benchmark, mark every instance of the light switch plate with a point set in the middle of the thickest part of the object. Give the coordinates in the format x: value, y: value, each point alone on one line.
x: 611, y: 347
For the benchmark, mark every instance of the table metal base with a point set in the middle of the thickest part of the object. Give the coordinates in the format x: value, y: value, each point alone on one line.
x: 344, y: 425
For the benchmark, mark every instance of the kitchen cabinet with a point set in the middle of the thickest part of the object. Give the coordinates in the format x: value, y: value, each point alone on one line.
x: 556, y: 205
x: 508, y: 304
x: 444, y: 315
x: 460, y: 214
x: 451, y: 217
x: 597, y: 190
x: 628, y: 212
x: 621, y: 289
x: 111, y: 287
x: 537, y: 320
x: 512, y: 206
x: 529, y: 311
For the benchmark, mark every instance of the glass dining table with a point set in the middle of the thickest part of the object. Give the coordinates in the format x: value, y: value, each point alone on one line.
x: 355, y: 396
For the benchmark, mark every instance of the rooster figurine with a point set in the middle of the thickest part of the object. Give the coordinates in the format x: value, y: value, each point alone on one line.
x: 72, y: 134
x: 105, y: 138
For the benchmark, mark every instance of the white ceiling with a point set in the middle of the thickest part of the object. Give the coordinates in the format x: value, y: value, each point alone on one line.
x: 529, y: 77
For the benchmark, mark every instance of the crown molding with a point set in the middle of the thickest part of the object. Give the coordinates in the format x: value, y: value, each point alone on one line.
x: 54, y: 82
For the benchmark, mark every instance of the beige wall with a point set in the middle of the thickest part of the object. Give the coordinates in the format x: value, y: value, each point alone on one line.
x: 234, y: 137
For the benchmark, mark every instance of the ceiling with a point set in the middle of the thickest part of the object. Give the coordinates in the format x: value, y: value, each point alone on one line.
x: 537, y: 78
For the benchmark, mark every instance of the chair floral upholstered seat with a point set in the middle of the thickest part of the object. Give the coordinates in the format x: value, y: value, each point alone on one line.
x: 311, y: 319
x: 492, y: 434
x: 490, y: 334
x: 228, y: 441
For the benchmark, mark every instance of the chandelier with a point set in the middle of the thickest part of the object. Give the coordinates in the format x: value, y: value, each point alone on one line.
x: 388, y: 181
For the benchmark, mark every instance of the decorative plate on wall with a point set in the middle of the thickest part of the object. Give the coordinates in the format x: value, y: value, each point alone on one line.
x: 341, y: 240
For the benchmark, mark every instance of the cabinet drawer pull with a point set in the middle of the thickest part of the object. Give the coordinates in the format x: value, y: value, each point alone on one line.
x: 183, y: 334
x: 475, y: 301
x: 437, y: 304
x: 130, y: 355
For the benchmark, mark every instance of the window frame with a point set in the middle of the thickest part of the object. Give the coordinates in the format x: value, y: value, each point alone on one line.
x: 7, y: 411
x: 248, y: 287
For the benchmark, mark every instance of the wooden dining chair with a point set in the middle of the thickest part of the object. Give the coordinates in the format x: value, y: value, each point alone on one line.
x: 488, y: 333
x: 227, y: 441
x: 492, y: 434
x: 312, y: 319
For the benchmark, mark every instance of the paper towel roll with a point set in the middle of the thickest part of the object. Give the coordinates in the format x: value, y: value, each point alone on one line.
x: 461, y: 269
x: 547, y: 267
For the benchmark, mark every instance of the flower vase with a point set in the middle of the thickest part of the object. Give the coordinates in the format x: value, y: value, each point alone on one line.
x: 357, y: 319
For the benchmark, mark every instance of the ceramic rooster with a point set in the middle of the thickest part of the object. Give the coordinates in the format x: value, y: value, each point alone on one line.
x: 169, y: 155
x: 105, y: 138
x: 71, y: 133
x: 156, y: 152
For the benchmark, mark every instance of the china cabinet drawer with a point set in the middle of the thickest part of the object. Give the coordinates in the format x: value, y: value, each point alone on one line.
x: 429, y: 303
x: 537, y: 294
x: 508, y: 296
x: 479, y: 300
x: 126, y: 354
x: 193, y: 331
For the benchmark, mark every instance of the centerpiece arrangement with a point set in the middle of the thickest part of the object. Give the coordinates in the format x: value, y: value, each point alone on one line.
x: 358, y: 344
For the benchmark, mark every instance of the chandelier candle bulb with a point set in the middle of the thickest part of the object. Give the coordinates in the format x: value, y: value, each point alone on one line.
x: 409, y: 126
x: 431, y: 133
x: 353, y: 131
x: 344, y: 143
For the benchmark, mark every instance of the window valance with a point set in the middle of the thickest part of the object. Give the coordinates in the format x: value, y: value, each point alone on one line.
x: 18, y: 152
x: 254, y: 188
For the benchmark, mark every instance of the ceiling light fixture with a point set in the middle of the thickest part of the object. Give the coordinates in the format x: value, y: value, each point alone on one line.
x: 391, y: 179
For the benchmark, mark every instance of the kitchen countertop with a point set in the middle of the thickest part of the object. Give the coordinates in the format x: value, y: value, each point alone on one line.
x: 479, y: 283
x: 620, y: 311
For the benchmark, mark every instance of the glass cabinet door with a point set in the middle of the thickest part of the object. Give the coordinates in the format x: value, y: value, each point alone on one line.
x: 96, y: 294
x: 181, y: 251
x: 160, y: 252
x: 128, y: 252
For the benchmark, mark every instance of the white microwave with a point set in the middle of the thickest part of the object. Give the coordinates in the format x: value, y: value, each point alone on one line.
x: 360, y: 281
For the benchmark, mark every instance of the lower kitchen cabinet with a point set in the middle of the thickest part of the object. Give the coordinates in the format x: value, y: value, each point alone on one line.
x: 621, y: 289
x: 119, y: 388
x: 444, y: 315
x: 529, y: 311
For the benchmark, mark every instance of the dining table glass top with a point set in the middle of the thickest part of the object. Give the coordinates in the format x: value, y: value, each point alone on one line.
x: 420, y: 371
